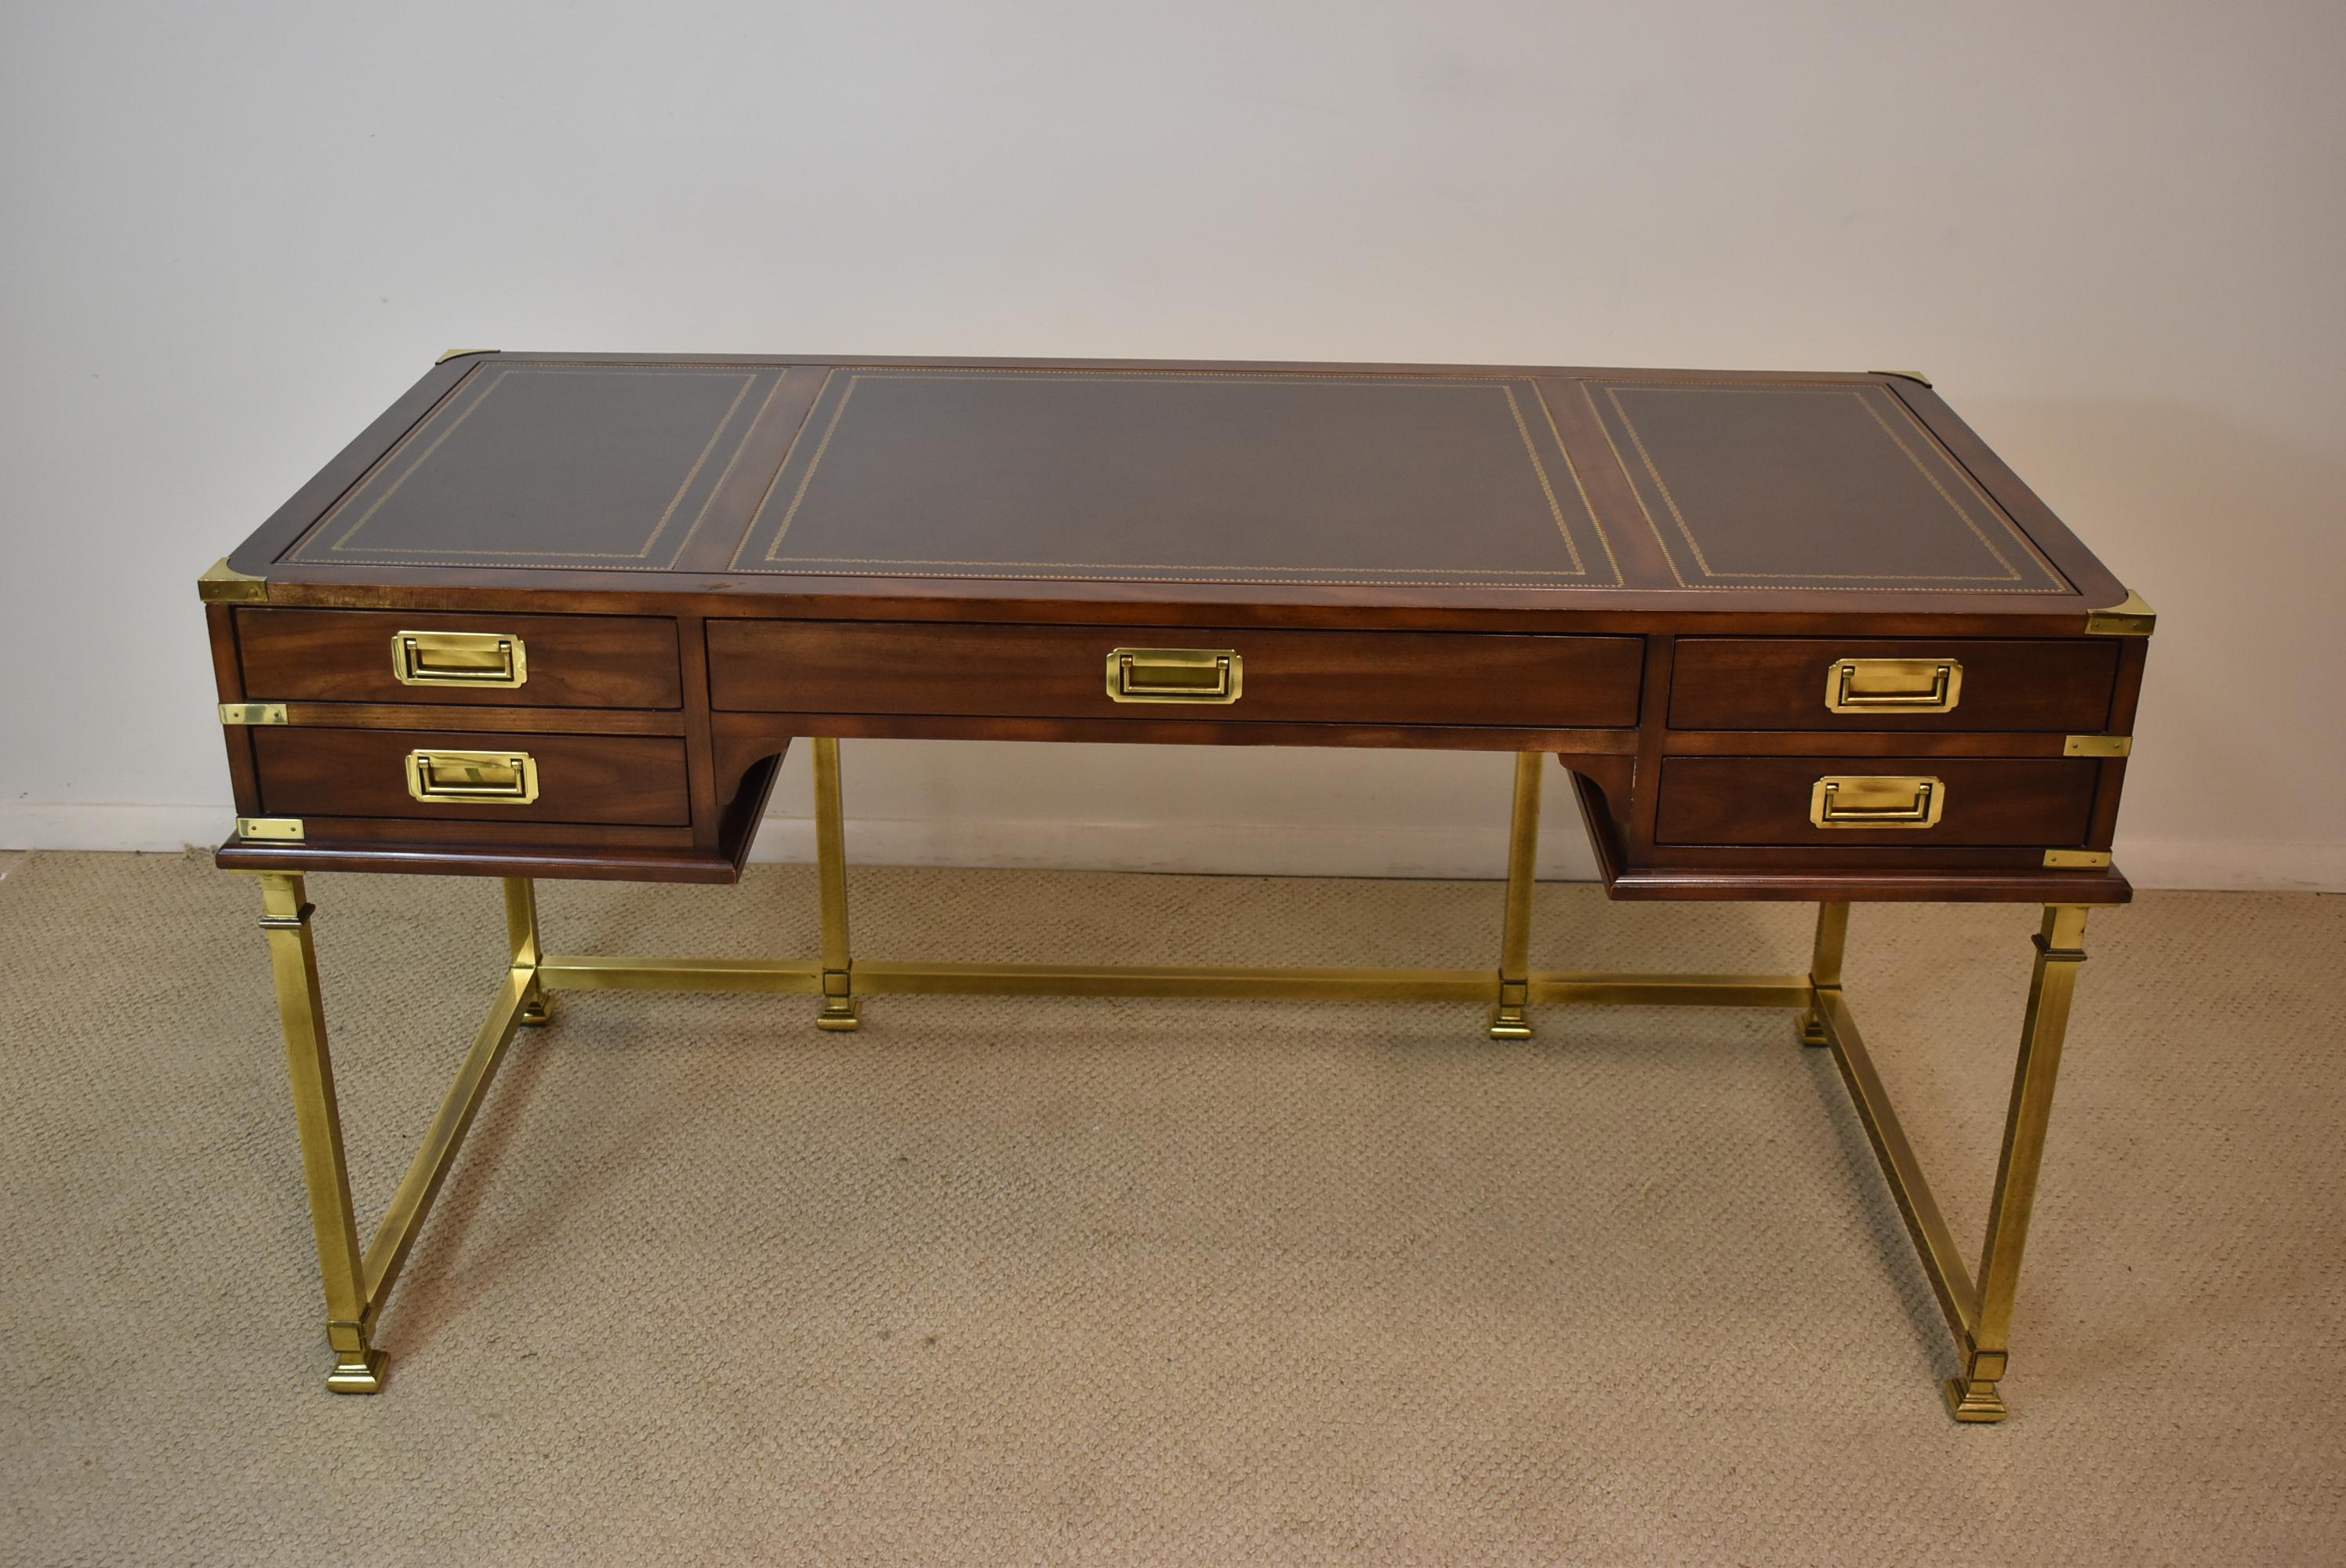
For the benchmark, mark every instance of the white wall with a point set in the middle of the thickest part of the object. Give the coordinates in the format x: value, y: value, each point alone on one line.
x: 2114, y: 233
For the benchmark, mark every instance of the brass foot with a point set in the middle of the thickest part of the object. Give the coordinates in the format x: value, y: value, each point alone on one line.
x: 1972, y: 1401
x: 356, y: 1371
x: 536, y: 1010
x: 838, y: 1015
x: 1509, y: 1020
x: 1812, y: 1031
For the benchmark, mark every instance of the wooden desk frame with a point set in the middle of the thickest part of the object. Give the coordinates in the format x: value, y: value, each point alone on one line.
x: 359, y: 1282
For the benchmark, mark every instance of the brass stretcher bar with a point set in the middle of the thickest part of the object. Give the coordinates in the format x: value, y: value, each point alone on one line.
x: 358, y: 1282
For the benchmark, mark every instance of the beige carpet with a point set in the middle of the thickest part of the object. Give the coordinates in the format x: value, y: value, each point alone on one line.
x: 1155, y: 1282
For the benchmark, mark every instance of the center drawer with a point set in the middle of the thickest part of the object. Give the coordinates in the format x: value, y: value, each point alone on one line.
x: 1226, y: 674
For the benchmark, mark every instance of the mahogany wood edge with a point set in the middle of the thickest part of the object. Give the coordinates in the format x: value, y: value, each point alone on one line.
x: 2097, y: 887
x: 1261, y: 367
x: 669, y: 722
x: 613, y: 865
x: 1022, y: 601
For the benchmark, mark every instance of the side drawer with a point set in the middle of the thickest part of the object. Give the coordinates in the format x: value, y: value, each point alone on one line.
x: 1979, y: 801
x: 633, y: 779
x: 1288, y: 677
x: 358, y: 655
x: 1793, y: 683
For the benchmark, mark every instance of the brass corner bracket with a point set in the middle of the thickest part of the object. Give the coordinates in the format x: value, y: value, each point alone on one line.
x: 460, y: 354
x: 2076, y: 859
x: 2130, y: 617
x: 254, y: 713
x: 2098, y: 746
x: 223, y: 585
x: 1907, y: 375
x: 271, y: 830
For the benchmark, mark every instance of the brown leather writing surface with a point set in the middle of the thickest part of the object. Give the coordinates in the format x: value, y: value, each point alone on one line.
x: 1171, y: 475
x: 1805, y: 486
x: 602, y: 466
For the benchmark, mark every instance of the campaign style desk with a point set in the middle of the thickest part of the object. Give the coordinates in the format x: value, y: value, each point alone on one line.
x: 1792, y: 636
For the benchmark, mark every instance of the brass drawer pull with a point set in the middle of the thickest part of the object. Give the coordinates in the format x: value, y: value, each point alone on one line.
x: 472, y: 777
x: 1174, y: 675
x: 1875, y: 802
x: 1896, y: 685
x: 458, y: 658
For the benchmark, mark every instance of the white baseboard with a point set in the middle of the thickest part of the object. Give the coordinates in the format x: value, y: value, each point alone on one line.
x: 1239, y: 848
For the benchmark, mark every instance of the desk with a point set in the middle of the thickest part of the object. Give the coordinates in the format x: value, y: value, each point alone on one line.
x: 1789, y: 636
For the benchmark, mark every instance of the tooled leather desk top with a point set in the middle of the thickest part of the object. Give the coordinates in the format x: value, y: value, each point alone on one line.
x: 1441, y: 487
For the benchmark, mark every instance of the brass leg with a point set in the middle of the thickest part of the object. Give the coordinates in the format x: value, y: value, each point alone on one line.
x: 521, y: 926
x: 2060, y: 949
x: 285, y: 917
x: 838, y: 1012
x: 1508, y: 1021
x: 1824, y: 966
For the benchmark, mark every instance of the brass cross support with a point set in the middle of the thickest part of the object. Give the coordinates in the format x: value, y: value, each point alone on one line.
x: 357, y: 1284
x: 357, y: 1280
x: 1508, y: 1021
x: 1980, y: 1317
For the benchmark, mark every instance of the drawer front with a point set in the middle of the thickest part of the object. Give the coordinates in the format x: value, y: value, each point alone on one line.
x: 362, y: 655
x: 1176, y: 672
x: 1969, y: 802
x: 631, y: 779
x: 1870, y: 683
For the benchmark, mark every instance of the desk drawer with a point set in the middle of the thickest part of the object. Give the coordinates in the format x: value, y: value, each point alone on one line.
x: 1064, y: 672
x: 1795, y: 683
x: 1973, y: 802
x: 509, y: 661
x: 631, y: 779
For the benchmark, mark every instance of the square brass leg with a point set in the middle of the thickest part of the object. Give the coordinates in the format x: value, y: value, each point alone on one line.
x: 357, y: 1282
x: 1979, y: 1317
x: 838, y: 1013
x: 521, y: 927
x: 1824, y: 966
x: 1508, y: 1020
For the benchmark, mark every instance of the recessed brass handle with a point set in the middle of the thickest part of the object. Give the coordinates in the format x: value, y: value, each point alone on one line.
x: 458, y: 658
x: 1174, y: 675
x: 472, y: 777
x: 1897, y: 685
x: 1864, y: 801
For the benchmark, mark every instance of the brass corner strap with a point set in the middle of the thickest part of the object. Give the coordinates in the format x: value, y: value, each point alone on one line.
x: 2098, y: 746
x: 223, y: 585
x: 254, y: 713
x: 1904, y: 375
x: 2130, y: 617
x: 460, y: 354
x: 271, y: 830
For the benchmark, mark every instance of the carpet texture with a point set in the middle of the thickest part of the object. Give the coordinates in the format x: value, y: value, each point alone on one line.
x: 1067, y: 1281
